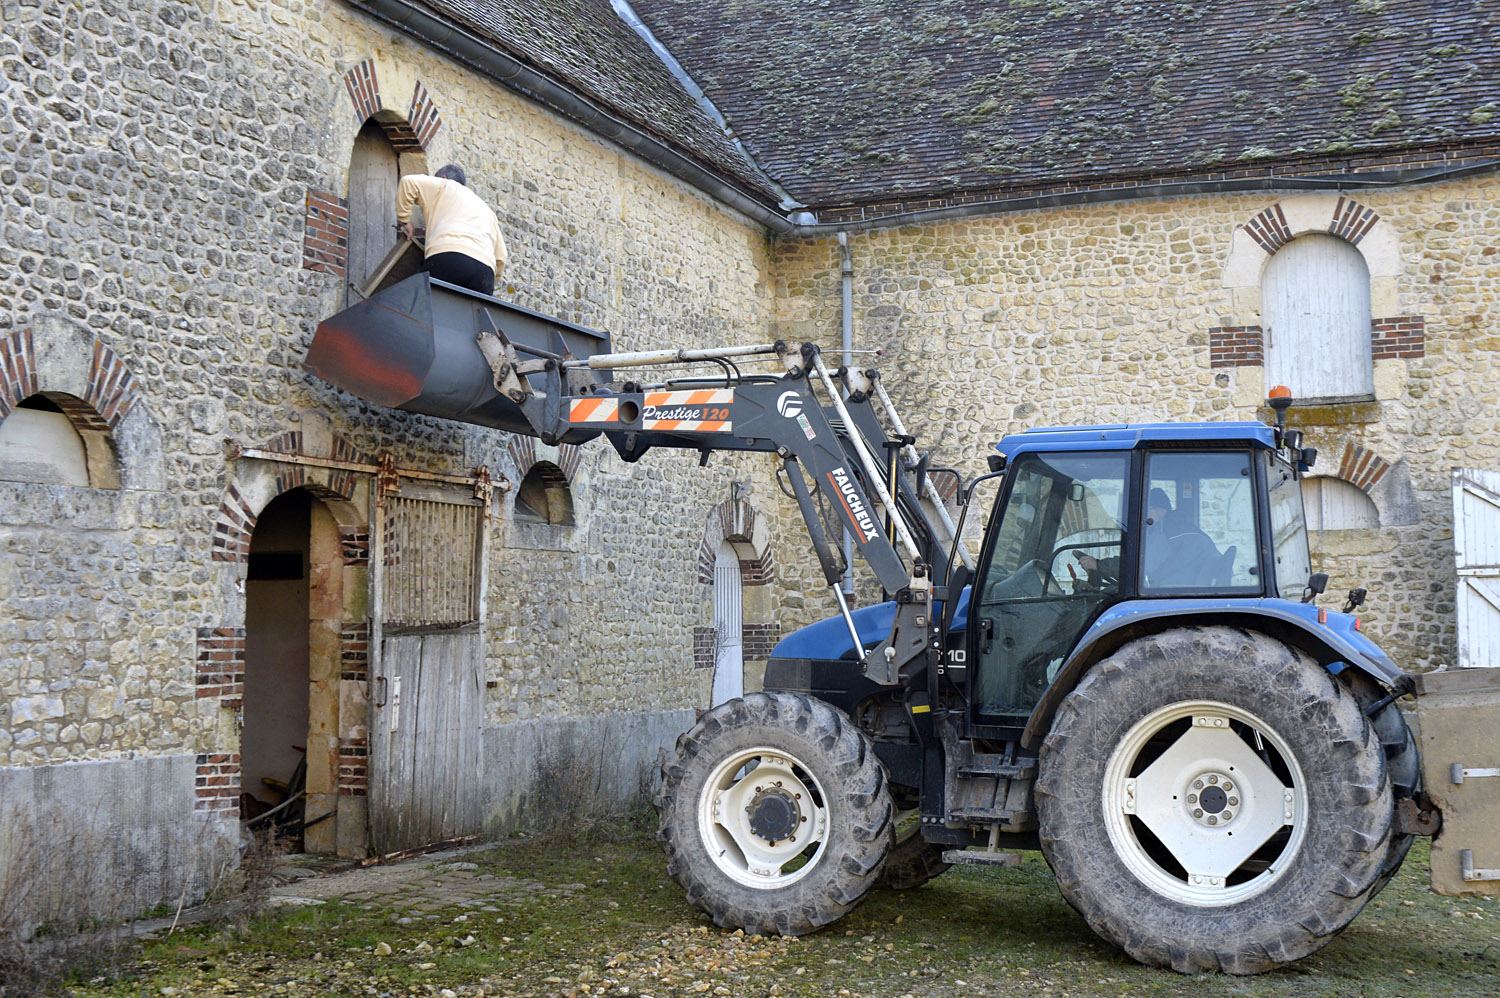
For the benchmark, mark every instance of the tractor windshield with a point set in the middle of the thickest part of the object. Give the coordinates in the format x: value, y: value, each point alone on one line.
x: 1288, y: 529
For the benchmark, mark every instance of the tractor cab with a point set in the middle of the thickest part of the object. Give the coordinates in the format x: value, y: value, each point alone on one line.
x: 1098, y: 522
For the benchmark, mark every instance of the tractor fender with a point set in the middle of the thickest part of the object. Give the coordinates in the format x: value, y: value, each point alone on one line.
x: 1329, y: 637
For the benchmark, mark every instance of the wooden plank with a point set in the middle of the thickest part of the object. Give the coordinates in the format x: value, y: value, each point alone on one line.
x: 396, y: 255
x: 409, y: 741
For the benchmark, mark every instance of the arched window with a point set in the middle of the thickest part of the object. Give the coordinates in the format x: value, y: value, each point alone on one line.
x: 1334, y: 504
x: 544, y: 495
x: 41, y: 442
x: 1315, y: 311
x: 374, y: 170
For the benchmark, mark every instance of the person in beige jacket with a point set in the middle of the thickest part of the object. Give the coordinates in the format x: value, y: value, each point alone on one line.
x: 464, y: 245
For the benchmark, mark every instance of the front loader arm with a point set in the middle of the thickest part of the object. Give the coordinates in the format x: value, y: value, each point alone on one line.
x: 780, y: 415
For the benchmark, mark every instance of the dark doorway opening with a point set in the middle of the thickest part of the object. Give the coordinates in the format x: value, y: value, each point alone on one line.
x: 273, y: 741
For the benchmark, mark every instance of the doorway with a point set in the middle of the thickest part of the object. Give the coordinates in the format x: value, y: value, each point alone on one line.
x: 729, y: 641
x: 293, y: 612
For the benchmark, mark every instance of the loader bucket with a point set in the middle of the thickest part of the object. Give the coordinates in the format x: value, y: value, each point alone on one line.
x: 412, y: 347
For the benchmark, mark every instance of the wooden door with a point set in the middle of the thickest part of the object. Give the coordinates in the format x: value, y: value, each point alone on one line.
x: 1315, y: 310
x: 1476, y: 550
x: 373, y: 174
x: 425, y: 750
x: 729, y: 658
x: 427, y: 702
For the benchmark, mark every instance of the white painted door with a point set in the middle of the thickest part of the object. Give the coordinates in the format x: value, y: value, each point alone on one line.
x: 1315, y: 312
x: 729, y: 659
x: 1476, y: 552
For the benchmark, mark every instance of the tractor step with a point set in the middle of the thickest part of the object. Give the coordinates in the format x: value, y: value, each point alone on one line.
x: 982, y: 857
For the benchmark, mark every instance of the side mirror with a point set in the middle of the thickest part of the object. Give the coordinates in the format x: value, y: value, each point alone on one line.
x: 1306, y: 458
x: 997, y: 462
x: 1316, y: 584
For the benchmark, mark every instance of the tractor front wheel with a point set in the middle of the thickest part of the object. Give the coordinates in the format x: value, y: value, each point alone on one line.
x: 774, y: 814
x: 1211, y: 799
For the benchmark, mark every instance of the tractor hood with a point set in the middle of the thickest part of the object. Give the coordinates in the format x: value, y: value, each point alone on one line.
x: 829, y: 639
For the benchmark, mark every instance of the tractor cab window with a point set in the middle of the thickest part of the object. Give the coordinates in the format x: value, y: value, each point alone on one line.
x: 1288, y: 530
x: 1054, y: 563
x: 1198, y: 523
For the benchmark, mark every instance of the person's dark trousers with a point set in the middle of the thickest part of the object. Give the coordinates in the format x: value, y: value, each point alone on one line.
x: 465, y: 271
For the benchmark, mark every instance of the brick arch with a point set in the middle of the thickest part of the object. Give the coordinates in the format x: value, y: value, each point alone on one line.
x: 247, y: 496
x: 1384, y: 478
x: 414, y: 131
x: 738, y: 522
x: 76, y: 371
x: 1361, y: 467
x: 107, y: 396
x: 220, y: 650
x: 523, y: 454
x: 1258, y: 238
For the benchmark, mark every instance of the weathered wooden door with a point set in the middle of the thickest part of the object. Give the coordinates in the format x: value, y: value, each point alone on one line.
x: 373, y: 175
x: 428, y: 695
x: 1315, y: 309
x: 426, y: 754
x: 1476, y: 550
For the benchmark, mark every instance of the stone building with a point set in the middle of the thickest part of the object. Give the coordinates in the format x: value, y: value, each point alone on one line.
x: 1044, y: 213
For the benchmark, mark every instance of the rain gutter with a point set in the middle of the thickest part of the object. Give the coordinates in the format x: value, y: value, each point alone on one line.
x: 492, y: 61
x: 1238, y: 185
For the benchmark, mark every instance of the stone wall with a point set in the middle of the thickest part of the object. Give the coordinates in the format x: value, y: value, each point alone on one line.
x: 159, y: 164
x: 1114, y: 313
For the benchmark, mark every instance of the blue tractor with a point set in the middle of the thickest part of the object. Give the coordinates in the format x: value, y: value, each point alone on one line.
x: 1132, y: 676
x: 1133, y: 679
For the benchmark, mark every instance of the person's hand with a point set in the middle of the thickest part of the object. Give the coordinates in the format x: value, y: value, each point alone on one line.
x: 1087, y: 562
x: 411, y: 233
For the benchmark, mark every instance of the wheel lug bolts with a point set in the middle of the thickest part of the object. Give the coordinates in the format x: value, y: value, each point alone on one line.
x: 1197, y: 812
x: 1192, y: 799
x: 1212, y: 820
x: 1234, y: 802
x: 1213, y: 779
x: 1197, y: 785
x: 1228, y: 815
x: 1228, y: 786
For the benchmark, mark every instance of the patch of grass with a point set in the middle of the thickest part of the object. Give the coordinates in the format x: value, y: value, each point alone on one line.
x: 602, y: 918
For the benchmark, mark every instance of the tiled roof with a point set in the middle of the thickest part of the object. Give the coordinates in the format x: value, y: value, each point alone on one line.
x: 584, y: 45
x: 846, y: 102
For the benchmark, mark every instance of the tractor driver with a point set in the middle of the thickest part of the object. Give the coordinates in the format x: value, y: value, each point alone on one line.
x: 1174, y: 551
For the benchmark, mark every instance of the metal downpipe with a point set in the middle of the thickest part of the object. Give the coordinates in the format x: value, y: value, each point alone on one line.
x: 846, y: 325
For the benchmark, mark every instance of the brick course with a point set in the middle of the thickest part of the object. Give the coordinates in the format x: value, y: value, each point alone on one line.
x: 217, y: 787
x: 221, y: 663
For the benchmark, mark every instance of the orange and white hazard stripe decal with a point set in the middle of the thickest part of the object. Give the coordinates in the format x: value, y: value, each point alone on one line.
x: 594, y: 410
x: 704, y: 410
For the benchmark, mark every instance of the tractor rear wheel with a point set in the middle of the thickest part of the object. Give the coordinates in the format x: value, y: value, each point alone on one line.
x: 774, y: 814
x: 1211, y: 799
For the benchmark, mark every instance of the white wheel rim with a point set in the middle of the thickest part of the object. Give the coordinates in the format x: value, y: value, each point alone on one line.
x: 1173, y: 823
x: 750, y: 791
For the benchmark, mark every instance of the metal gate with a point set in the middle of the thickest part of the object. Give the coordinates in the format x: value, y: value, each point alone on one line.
x: 1476, y: 550
x: 428, y: 695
